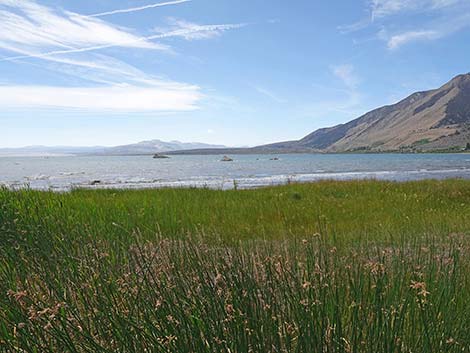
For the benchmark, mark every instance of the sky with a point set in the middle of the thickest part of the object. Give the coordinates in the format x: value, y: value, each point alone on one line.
x: 232, y: 72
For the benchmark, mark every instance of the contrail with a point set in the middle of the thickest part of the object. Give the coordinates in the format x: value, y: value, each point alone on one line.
x: 141, y: 8
x: 175, y: 33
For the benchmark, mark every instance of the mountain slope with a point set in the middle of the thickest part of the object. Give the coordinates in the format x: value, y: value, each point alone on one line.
x: 436, y: 119
x: 425, y: 121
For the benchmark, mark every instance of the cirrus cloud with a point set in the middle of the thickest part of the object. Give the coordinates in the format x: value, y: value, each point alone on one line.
x: 346, y: 74
x: 69, y: 44
x: 110, y: 98
x: 26, y: 24
x: 442, y: 18
x: 193, y: 31
x: 398, y: 40
x: 384, y: 8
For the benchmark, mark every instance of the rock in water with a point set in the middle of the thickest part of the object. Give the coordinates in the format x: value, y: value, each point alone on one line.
x: 159, y: 156
x: 226, y: 159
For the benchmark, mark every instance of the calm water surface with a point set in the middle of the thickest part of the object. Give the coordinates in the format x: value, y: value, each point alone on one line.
x: 64, y: 173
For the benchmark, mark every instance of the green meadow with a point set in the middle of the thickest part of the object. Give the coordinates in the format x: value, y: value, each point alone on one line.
x: 357, y: 266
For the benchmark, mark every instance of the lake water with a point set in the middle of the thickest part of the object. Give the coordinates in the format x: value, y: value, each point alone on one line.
x: 246, y: 171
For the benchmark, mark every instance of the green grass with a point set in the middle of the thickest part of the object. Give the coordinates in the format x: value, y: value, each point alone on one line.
x: 362, y: 266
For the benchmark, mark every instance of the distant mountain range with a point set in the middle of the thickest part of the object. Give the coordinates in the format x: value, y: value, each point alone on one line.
x: 436, y: 120
x: 155, y: 146
x: 31, y: 151
x: 141, y: 148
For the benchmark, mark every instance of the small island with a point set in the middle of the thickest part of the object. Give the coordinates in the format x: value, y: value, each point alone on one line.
x: 226, y: 159
x: 159, y: 156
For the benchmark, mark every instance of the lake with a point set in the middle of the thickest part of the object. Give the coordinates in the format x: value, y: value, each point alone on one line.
x: 246, y: 171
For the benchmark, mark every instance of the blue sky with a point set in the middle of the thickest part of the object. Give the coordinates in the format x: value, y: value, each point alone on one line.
x: 244, y: 72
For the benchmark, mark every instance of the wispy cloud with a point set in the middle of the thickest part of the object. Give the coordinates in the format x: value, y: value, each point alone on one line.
x: 110, y: 98
x: 35, y: 31
x: 431, y: 20
x: 68, y: 42
x: 435, y: 30
x: 140, y: 8
x: 193, y: 31
x: 99, y: 68
x: 348, y: 102
x: 384, y: 8
x: 346, y: 73
x: 339, y: 101
x: 184, y: 29
x: 268, y: 93
x: 340, y: 105
x: 396, y: 41
x: 26, y: 24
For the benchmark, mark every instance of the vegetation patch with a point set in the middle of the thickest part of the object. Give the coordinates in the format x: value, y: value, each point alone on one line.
x: 360, y: 266
x: 421, y: 142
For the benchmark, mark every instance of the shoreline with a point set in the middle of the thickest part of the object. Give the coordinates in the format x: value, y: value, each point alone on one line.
x: 237, y: 153
x: 236, y: 184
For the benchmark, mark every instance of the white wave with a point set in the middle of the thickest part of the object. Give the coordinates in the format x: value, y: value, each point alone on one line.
x: 67, y: 180
x: 37, y: 177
